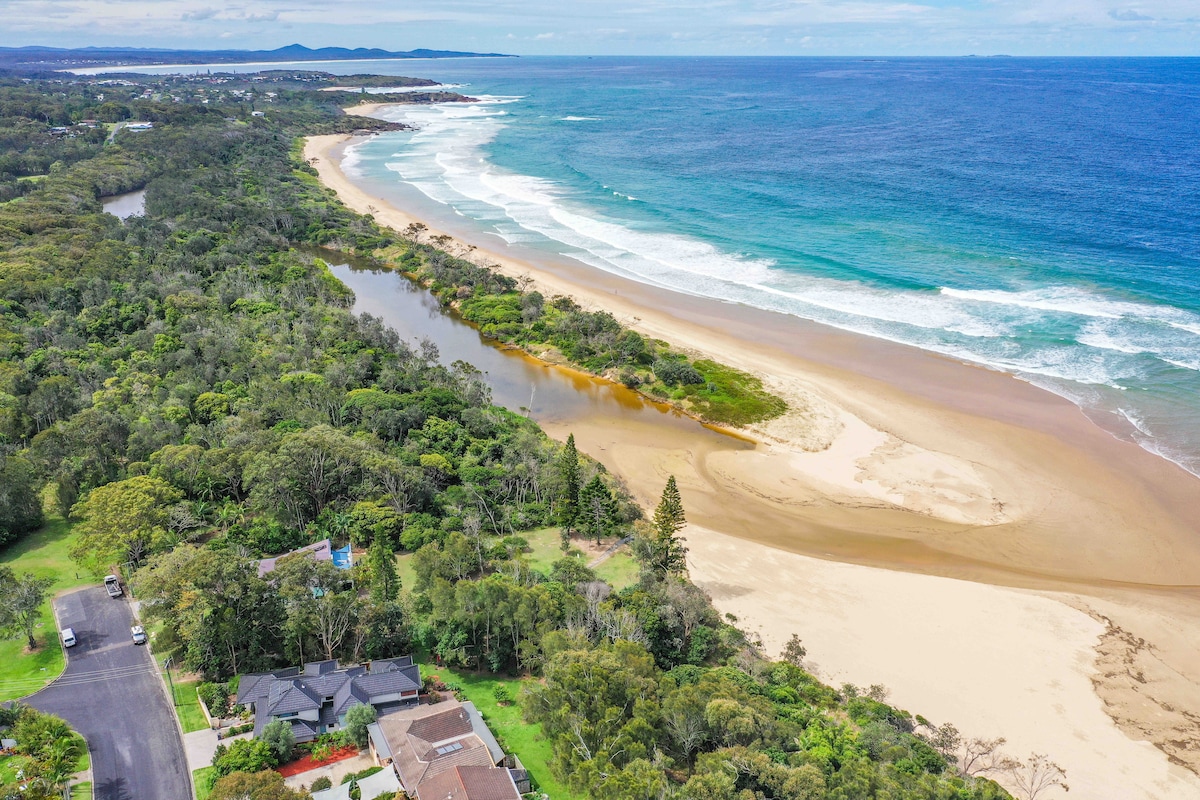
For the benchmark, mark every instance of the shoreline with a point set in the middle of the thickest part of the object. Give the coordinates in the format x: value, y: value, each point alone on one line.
x: 900, y: 459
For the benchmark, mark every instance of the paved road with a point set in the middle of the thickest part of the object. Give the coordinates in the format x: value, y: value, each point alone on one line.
x: 111, y: 693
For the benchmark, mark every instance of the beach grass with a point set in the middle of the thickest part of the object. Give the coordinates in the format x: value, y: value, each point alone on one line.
x: 730, y: 396
x: 515, y: 736
x: 44, y: 553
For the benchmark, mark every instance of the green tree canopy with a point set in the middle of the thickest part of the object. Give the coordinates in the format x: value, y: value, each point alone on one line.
x: 358, y: 717
x: 278, y: 733
x: 264, y: 785
x: 123, y: 521
x: 662, y: 551
x: 568, y: 476
x: 597, y: 509
x: 20, y: 505
x: 21, y: 599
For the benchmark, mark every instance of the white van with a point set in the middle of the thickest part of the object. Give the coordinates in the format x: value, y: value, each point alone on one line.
x: 68, y: 637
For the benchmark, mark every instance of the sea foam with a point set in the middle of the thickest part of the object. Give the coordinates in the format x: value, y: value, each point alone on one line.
x: 1094, y: 347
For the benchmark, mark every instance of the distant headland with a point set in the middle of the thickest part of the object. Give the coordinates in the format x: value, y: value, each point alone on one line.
x: 39, y: 57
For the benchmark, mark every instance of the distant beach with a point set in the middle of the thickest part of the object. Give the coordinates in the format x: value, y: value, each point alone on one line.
x: 898, y: 459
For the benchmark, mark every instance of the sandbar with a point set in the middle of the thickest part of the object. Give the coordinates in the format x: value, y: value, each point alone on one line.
x: 913, y: 519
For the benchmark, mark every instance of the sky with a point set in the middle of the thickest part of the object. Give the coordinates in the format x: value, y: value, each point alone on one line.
x: 623, y: 27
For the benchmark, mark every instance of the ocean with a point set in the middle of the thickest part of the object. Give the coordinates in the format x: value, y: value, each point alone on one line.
x: 1037, y: 216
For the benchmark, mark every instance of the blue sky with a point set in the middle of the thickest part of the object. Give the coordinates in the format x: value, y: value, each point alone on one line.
x: 619, y: 27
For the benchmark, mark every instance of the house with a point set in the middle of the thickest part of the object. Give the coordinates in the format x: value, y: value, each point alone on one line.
x: 317, y: 551
x: 315, y: 698
x: 446, y: 751
x: 469, y: 783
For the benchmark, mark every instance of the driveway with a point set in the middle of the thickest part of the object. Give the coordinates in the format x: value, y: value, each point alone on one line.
x: 112, y: 694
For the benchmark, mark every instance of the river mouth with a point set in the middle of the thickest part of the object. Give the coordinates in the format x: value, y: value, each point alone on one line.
x: 731, y: 485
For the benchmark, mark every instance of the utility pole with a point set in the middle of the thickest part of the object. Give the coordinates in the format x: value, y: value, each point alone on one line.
x: 167, y: 669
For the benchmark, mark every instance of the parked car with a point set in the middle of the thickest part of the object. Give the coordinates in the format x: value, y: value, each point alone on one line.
x: 68, y: 637
x: 139, y: 634
x: 113, y: 584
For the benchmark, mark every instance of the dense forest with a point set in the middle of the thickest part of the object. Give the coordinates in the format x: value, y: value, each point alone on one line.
x: 192, y: 389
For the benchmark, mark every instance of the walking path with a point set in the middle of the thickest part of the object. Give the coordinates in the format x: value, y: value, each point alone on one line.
x: 617, y: 545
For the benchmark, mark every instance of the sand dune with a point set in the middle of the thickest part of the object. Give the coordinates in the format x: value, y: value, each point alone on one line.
x: 896, y: 459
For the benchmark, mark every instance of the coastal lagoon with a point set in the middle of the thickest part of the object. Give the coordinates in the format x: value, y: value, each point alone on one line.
x: 1036, y: 216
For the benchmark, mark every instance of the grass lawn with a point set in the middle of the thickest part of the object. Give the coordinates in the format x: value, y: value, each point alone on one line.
x: 200, y: 778
x: 620, y: 569
x: 404, y: 571
x: 44, y: 553
x: 8, y: 769
x: 187, y: 706
x: 515, y: 736
x: 82, y: 791
x: 543, y: 548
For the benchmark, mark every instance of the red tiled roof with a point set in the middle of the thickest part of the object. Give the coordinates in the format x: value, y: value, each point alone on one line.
x: 470, y: 783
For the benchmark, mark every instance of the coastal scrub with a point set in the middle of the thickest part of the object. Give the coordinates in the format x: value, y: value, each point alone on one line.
x: 559, y: 329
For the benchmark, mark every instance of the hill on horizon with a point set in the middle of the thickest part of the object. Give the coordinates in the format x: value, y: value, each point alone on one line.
x: 38, y: 56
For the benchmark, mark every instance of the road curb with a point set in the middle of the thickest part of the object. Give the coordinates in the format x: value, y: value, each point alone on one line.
x: 178, y: 722
x: 66, y: 655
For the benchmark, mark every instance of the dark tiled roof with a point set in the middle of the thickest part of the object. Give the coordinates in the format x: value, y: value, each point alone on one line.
x: 387, y: 683
x: 256, y: 686
x: 320, y: 667
x: 318, y: 551
x: 291, y: 696
x: 469, y: 783
x: 303, y: 730
x: 350, y: 694
x: 449, y: 724
x: 289, y: 691
x: 384, y: 664
x: 327, y: 685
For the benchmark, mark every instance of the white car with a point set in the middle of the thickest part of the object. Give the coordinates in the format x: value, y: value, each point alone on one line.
x: 68, y: 637
x: 139, y: 634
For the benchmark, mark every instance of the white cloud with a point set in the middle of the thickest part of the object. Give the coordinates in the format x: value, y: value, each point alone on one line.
x: 634, y: 26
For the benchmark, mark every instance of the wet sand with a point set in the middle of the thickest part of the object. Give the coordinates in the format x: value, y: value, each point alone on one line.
x: 897, y: 459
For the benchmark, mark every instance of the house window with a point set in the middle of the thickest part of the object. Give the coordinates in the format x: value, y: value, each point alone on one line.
x: 450, y: 748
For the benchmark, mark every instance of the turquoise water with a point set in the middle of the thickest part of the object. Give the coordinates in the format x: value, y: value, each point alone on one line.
x: 1039, y: 216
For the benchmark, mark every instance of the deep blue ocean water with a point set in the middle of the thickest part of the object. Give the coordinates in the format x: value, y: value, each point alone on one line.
x: 1040, y: 216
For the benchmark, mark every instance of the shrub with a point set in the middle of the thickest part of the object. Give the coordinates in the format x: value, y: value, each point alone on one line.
x: 675, y: 373
x: 358, y: 717
x: 320, y: 783
x: 278, y: 734
x: 502, y: 694
x: 366, y: 773
x: 215, y: 697
x: 244, y: 755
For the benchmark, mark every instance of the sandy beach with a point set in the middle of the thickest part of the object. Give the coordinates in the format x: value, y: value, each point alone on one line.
x: 971, y: 542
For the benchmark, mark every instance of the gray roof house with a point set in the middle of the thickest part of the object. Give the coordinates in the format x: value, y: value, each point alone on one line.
x: 315, y: 698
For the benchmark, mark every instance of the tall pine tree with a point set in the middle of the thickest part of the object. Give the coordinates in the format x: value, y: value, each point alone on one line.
x: 666, y: 548
x: 597, y: 509
x: 568, y: 502
x: 381, y: 562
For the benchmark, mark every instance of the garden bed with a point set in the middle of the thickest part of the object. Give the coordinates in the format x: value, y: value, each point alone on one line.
x: 308, y: 762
